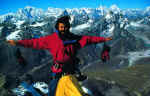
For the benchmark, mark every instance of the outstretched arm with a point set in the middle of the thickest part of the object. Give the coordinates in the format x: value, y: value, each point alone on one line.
x: 40, y: 43
x: 86, y: 40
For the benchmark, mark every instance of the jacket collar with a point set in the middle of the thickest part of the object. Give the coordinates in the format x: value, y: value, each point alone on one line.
x: 66, y: 42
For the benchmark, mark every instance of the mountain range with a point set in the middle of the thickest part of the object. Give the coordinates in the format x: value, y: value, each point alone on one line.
x: 37, y: 13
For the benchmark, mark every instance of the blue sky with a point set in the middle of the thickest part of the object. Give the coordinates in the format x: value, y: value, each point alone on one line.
x: 13, y: 5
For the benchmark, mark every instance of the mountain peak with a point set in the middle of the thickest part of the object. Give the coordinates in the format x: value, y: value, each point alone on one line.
x: 29, y: 7
x: 148, y: 9
x: 115, y: 8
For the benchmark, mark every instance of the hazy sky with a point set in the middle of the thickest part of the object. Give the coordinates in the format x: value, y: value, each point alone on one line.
x: 13, y: 5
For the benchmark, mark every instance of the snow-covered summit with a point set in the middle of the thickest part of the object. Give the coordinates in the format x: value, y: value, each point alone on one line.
x: 53, y: 12
x: 29, y: 13
x: 115, y: 9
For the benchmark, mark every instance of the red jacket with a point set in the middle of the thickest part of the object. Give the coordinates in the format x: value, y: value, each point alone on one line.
x: 56, y: 47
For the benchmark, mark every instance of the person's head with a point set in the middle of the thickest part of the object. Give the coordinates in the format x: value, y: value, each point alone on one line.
x: 63, y: 25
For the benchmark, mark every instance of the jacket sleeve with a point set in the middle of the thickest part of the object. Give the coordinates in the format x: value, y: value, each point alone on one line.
x: 86, y: 40
x: 38, y: 43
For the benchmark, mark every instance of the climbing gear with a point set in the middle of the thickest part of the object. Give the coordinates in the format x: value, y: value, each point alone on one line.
x: 57, y: 67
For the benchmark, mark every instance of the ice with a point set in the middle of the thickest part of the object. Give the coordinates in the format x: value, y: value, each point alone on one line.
x: 38, y: 24
x: 13, y: 35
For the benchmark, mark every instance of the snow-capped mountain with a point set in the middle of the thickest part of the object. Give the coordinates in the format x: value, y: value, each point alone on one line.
x: 29, y: 13
x: 147, y: 11
x: 7, y: 17
x: 134, y: 13
x: 37, y: 13
x: 115, y: 9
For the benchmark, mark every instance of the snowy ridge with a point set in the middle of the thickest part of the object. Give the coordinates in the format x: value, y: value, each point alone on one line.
x: 1, y: 29
x: 53, y: 12
x: 38, y: 24
x: 147, y: 11
x: 134, y: 56
x: 14, y: 35
x: 6, y: 17
x: 29, y: 13
x: 135, y: 24
x: 42, y: 86
x: 115, y: 9
x: 81, y: 27
x: 19, y: 23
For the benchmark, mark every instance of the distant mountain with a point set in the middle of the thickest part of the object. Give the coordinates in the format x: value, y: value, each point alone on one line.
x: 33, y: 13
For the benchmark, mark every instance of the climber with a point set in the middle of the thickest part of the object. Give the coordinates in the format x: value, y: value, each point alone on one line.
x: 105, y: 53
x: 63, y: 45
x: 20, y: 58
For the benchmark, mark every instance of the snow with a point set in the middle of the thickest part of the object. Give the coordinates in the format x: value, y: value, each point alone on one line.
x: 6, y: 16
x: 112, y: 29
x: 147, y: 10
x: 19, y: 23
x: 90, y: 21
x: 134, y: 24
x: 38, y: 24
x: 72, y: 19
x: 20, y: 91
x: 1, y: 29
x: 43, y: 87
x: 134, y: 56
x: 143, y: 37
x: 82, y: 26
x: 108, y: 16
x: 87, y: 10
x: 102, y: 10
x: 140, y: 21
x: 87, y: 91
x: 115, y: 9
x: 29, y: 13
x: 53, y: 12
x: 108, y: 32
x: 13, y: 35
x: 122, y: 24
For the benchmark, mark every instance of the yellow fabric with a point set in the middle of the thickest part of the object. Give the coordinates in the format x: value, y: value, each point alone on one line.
x: 68, y: 86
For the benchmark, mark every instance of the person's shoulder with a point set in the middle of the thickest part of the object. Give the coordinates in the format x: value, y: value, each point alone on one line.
x: 51, y: 35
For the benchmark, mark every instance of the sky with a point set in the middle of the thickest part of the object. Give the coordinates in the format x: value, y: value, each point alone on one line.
x: 13, y: 5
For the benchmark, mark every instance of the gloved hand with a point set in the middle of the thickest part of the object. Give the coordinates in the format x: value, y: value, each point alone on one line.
x: 108, y: 38
x: 12, y: 42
